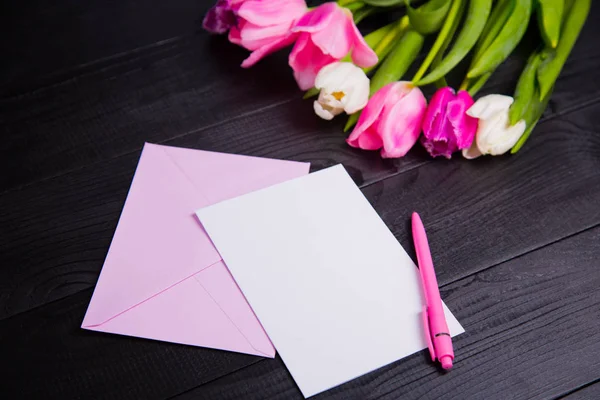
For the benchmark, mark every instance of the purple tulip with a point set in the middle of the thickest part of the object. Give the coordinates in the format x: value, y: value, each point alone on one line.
x: 220, y: 18
x: 447, y: 127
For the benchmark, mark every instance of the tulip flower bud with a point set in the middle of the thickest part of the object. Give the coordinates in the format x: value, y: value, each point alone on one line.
x: 494, y: 135
x: 264, y: 27
x: 391, y: 121
x: 220, y: 18
x: 326, y: 34
x: 446, y: 126
x: 344, y: 88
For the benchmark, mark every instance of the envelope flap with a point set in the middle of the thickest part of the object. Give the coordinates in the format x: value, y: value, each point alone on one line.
x: 222, y: 176
x: 189, y: 313
x: 221, y: 287
x: 158, y: 241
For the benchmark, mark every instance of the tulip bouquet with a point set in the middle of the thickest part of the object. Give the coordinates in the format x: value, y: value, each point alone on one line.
x: 362, y: 76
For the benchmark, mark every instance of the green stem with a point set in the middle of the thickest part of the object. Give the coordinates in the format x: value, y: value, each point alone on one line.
x: 311, y: 93
x: 354, y: 7
x: 550, y: 68
x: 372, y: 40
x: 363, y: 13
x: 399, y: 61
x: 443, y: 39
x: 477, y: 83
x: 496, y: 21
x: 525, y: 93
x: 377, y: 36
x: 386, y: 44
x: 441, y: 82
x: 505, y: 41
x: 535, y: 113
x: 387, y: 40
x: 473, y: 25
x: 395, y: 65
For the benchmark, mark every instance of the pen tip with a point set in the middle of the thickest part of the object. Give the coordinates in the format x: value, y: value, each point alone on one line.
x: 415, y: 216
x: 446, y: 362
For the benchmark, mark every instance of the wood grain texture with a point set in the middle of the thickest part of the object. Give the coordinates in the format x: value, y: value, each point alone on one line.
x: 193, y: 89
x: 189, y: 94
x: 491, y: 206
x: 45, y: 42
x: 58, y: 232
x: 86, y: 84
x: 88, y: 201
x: 532, y: 327
x: 46, y: 355
x: 588, y: 392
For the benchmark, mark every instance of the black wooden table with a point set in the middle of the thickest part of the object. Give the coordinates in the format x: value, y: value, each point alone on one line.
x: 83, y: 84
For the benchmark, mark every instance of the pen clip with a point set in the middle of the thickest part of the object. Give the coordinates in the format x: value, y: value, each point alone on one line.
x: 428, y: 333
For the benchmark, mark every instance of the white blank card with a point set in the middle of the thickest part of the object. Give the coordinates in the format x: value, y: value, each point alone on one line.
x: 335, y: 291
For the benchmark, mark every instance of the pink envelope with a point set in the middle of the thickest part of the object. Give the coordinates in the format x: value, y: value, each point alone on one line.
x: 162, y: 278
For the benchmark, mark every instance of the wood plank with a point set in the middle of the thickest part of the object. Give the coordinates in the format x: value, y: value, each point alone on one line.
x: 588, y: 392
x: 499, y: 208
x: 193, y: 88
x: 188, y: 97
x: 56, y: 233
x: 46, y: 41
x: 95, y: 118
x: 46, y: 355
x: 532, y: 328
x: 488, y: 213
x: 74, y: 116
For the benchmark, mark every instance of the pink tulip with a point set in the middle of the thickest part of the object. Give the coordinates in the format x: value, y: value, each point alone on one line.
x: 327, y: 34
x: 391, y: 121
x: 235, y: 4
x: 447, y: 127
x: 220, y: 18
x: 264, y: 26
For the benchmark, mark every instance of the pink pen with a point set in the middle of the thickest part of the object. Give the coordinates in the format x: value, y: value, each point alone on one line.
x: 436, y: 328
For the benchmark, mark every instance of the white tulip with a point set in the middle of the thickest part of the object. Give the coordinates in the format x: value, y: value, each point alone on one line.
x: 344, y: 87
x: 494, y: 134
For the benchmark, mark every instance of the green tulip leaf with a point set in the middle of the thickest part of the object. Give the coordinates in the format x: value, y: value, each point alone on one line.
x: 532, y: 116
x: 498, y: 17
x: 443, y: 39
x: 505, y: 41
x: 375, y: 37
x: 573, y: 20
x: 478, y: 83
x: 475, y: 20
x: 311, y: 93
x: 525, y: 92
x: 429, y: 17
x: 384, y: 3
x: 550, y: 14
x: 363, y: 13
x: 355, y: 6
x: 388, y: 41
x: 352, y: 120
x: 394, y: 66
